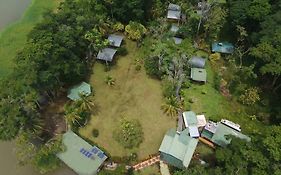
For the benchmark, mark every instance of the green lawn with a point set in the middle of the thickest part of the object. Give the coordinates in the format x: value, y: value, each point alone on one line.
x: 207, y: 100
x: 13, y: 38
x: 135, y: 96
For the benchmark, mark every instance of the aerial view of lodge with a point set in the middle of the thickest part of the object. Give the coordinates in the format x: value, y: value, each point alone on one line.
x: 140, y: 87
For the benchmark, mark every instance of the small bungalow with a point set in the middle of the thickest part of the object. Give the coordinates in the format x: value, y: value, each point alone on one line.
x: 106, y: 54
x: 174, y: 12
x: 82, y: 88
x: 174, y: 28
x: 218, y: 132
x: 177, y: 148
x: 197, y: 62
x: 115, y: 40
x: 190, y: 122
x: 223, y: 47
x: 177, y: 40
x: 198, y: 74
x: 80, y: 156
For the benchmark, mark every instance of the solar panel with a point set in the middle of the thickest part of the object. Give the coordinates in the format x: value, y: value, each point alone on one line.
x: 88, y: 154
x: 95, y: 150
x: 101, y: 155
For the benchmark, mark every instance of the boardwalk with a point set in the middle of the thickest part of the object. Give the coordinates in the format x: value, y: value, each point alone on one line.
x: 146, y: 163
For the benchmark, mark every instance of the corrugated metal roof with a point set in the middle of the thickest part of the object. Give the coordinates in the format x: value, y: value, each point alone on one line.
x: 189, y: 118
x: 222, y: 131
x: 222, y: 47
x: 82, y: 88
x: 106, y: 54
x: 115, y: 40
x: 197, y: 62
x: 198, y: 74
x: 79, y: 155
x: 179, y: 146
x: 193, y: 131
x: 177, y: 40
x: 174, y: 7
x: 174, y: 14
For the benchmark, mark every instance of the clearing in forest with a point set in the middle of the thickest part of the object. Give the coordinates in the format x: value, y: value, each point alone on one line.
x: 134, y: 96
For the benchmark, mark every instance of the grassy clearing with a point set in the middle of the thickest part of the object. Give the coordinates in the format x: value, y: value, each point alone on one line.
x: 215, y: 106
x: 135, y: 96
x: 13, y: 38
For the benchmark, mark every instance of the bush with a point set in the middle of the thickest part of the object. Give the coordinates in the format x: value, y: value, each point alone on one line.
x: 250, y: 96
x: 215, y: 57
x: 122, y: 51
x: 151, y: 67
x: 129, y: 134
x: 118, y: 27
x: 95, y: 133
x: 168, y: 88
x: 135, y: 30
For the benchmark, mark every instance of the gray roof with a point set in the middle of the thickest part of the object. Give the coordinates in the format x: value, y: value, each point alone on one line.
x: 172, y: 14
x: 177, y: 40
x: 174, y: 28
x: 174, y: 7
x: 197, y: 62
x: 106, y: 54
x: 115, y: 40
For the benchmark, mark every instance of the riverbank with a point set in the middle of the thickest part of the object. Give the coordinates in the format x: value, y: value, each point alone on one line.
x: 13, y: 37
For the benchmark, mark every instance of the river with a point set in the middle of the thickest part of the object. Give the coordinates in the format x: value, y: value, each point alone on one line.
x: 11, y: 11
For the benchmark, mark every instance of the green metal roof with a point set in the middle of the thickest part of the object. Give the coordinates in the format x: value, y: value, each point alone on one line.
x: 198, y: 74
x: 178, y: 146
x: 82, y: 88
x: 222, y: 131
x: 190, y: 118
x: 80, y: 156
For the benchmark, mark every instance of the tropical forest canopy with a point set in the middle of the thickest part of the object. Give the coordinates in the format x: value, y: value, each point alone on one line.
x: 62, y: 48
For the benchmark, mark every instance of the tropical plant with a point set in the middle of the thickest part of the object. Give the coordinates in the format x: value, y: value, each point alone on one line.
x: 109, y: 80
x: 129, y: 134
x: 118, y: 27
x: 135, y: 30
x: 171, y: 107
x: 71, y: 114
x: 86, y: 103
x: 250, y: 96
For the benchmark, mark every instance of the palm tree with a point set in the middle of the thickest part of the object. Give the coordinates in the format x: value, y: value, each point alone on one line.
x: 171, y: 107
x: 109, y: 80
x: 86, y: 103
x: 71, y: 114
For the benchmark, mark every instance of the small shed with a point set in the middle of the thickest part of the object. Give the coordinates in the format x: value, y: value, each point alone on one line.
x: 223, y: 47
x: 174, y: 28
x: 201, y: 119
x: 190, y: 122
x: 177, y: 148
x: 115, y: 40
x: 197, y: 62
x: 106, y: 54
x: 198, y: 74
x: 177, y: 40
x: 82, y: 88
x: 174, y: 12
x: 80, y: 156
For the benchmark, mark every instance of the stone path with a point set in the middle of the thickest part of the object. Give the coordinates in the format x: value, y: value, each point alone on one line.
x: 146, y: 163
x: 164, y: 169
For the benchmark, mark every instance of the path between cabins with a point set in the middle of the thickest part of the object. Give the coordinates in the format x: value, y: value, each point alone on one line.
x: 146, y: 163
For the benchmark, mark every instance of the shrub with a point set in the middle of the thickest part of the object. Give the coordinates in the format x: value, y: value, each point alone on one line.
x: 129, y: 134
x: 135, y: 30
x: 250, y: 96
x: 118, y: 27
x: 151, y: 67
x: 122, y: 51
x: 168, y: 88
x: 95, y: 133
x: 215, y: 57
x: 109, y: 80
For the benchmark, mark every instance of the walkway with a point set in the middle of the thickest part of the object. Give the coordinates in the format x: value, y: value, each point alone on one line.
x: 146, y: 163
x: 164, y: 169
